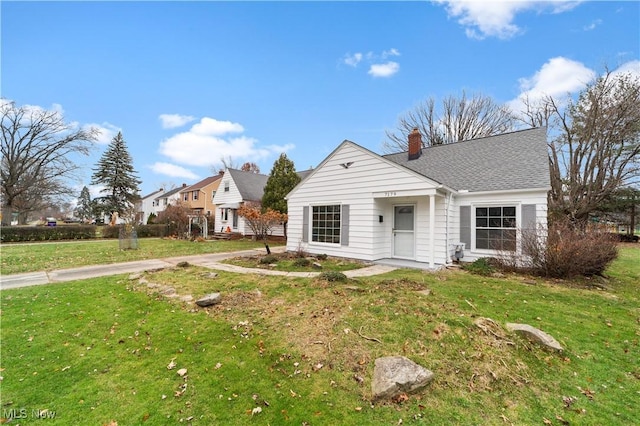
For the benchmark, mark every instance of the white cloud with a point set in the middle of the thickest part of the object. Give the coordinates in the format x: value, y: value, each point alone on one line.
x: 631, y: 67
x: 171, y: 121
x: 558, y: 78
x: 377, y: 65
x: 107, y: 131
x: 352, y: 60
x: 211, y: 126
x: 172, y: 170
x: 205, y: 144
x: 592, y: 25
x: 495, y: 18
x: 390, y: 52
x: 384, y: 70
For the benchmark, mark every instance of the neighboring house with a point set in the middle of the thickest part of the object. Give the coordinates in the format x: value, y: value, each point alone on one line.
x: 147, y: 205
x: 236, y: 188
x: 424, y: 204
x: 199, y: 196
x: 169, y: 197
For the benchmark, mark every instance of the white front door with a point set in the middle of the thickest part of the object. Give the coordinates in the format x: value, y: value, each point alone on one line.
x: 403, y: 232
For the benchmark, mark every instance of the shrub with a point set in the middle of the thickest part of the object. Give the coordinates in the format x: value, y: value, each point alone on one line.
x: 12, y: 234
x: 302, y: 262
x: 482, y: 266
x: 269, y: 259
x: 564, y: 250
x: 332, y: 276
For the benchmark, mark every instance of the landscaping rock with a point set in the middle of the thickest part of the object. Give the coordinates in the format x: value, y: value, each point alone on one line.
x: 424, y: 292
x: 535, y: 335
x: 168, y: 291
x: 208, y: 300
x: 316, y: 265
x: 134, y: 276
x: 212, y: 275
x: 395, y: 375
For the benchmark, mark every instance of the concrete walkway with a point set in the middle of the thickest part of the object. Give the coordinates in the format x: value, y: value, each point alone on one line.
x: 211, y: 261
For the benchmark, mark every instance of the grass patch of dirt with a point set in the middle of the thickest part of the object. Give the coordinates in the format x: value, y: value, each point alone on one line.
x: 293, y: 262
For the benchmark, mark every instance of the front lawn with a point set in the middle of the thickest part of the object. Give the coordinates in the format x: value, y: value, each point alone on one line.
x: 301, y: 351
x: 32, y: 257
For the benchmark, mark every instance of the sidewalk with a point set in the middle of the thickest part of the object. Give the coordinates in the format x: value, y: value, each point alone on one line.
x: 211, y: 261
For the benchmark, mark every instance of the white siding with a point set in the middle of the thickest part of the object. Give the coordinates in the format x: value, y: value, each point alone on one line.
x: 332, y: 183
x: 511, y: 198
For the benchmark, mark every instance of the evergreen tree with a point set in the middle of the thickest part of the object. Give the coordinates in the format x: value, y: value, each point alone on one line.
x: 84, y: 209
x: 282, y: 180
x: 115, y: 173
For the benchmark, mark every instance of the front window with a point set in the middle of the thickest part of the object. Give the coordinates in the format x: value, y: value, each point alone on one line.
x: 195, y: 195
x: 325, y: 225
x: 496, y: 228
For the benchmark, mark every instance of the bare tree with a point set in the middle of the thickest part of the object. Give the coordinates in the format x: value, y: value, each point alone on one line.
x: 250, y: 167
x: 594, y: 143
x: 459, y: 118
x: 36, y: 167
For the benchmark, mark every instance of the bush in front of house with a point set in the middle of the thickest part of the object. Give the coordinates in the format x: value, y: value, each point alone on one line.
x: 333, y: 276
x: 159, y: 230
x: 483, y: 266
x: 14, y: 234
x: 301, y: 262
x: 269, y: 259
x: 563, y: 250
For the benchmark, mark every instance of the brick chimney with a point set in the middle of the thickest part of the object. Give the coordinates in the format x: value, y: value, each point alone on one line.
x: 415, y: 144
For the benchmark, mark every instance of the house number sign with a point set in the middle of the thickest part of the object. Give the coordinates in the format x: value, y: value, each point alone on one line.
x: 390, y: 194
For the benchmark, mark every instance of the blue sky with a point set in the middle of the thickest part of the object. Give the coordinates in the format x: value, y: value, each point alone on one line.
x: 189, y: 83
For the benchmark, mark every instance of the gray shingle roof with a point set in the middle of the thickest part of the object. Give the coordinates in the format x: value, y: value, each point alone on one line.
x: 249, y: 184
x: 516, y: 160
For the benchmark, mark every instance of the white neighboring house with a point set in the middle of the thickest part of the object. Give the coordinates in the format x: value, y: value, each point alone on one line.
x: 169, y: 197
x: 425, y: 204
x: 236, y: 188
x: 147, y: 205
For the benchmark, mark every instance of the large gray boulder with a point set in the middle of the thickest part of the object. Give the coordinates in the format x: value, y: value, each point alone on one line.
x: 395, y: 375
x: 208, y: 300
x: 535, y: 335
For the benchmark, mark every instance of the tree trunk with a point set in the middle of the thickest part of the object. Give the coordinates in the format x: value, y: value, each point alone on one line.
x: 7, y: 213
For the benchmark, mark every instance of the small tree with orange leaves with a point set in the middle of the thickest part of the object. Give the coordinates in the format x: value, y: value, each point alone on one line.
x: 261, y: 222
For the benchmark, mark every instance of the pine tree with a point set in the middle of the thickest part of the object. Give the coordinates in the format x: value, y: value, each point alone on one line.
x: 84, y: 209
x: 115, y: 173
x: 282, y: 180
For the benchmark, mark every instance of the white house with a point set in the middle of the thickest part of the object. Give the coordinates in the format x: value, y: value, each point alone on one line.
x: 172, y: 196
x: 147, y: 205
x: 236, y: 188
x: 424, y: 204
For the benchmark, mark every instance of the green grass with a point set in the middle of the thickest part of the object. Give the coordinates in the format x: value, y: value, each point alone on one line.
x: 97, y: 351
x: 31, y: 257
